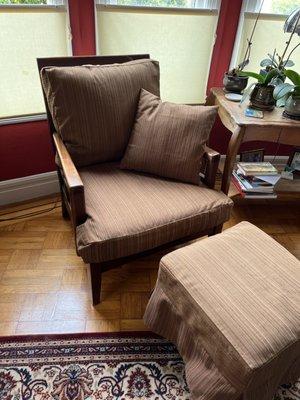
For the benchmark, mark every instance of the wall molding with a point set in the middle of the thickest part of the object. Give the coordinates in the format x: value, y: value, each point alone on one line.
x: 28, y: 187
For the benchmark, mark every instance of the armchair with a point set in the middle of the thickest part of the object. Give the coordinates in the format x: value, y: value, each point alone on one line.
x: 118, y: 215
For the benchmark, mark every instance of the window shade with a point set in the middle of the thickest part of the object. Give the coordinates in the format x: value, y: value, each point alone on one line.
x: 25, y: 34
x: 181, y: 40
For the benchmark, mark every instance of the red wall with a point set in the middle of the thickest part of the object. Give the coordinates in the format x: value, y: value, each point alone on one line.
x: 25, y: 149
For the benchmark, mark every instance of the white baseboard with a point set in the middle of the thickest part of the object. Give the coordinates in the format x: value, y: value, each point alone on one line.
x: 28, y: 187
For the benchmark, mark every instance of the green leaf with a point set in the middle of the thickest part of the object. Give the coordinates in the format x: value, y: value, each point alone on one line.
x: 270, y: 75
x: 297, y: 90
x: 266, y: 62
x: 293, y: 76
x: 282, y: 90
x: 254, y: 75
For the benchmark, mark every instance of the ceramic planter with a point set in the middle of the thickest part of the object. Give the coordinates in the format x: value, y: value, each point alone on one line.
x: 292, y: 106
x: 262, y: 97
x: 235, y: 83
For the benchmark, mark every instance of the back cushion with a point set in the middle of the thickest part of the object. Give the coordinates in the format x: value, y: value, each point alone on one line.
x: 93, y: 107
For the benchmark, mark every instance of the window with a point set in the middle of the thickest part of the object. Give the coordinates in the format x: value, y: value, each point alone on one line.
x: 269, y: 35
x: 283, y: 7
x: 28, y: 29
x: 177, y: 33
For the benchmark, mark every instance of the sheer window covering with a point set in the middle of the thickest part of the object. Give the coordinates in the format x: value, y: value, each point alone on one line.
x: 180, y: 39
x: 26, y: 33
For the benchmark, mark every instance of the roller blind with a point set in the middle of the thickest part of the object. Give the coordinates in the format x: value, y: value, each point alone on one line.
x: 28, y: 32
x: 180, y: 38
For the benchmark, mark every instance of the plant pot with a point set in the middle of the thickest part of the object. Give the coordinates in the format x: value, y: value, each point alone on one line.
x: 261, y: 97
x: 234, y: 83
x: 292, y: 107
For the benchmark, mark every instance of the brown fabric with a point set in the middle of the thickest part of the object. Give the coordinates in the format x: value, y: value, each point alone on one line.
x: 238, y: 293
x: 130, y: 212
x: 93, y: 107
x: 168, y: 139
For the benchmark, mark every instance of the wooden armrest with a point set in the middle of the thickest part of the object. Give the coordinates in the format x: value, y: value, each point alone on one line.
x: 211, y: 160
x: 72, y: 181
x: 72, y: 177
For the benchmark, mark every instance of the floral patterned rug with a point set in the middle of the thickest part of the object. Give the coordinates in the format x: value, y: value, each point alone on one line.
x: 95, y: 367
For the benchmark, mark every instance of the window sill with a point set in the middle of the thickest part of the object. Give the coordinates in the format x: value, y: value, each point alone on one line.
x: 23, y: 119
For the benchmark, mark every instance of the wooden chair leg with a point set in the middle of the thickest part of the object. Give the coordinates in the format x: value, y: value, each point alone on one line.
x: 95, y: 279
x: 64, y: 210
x: 216, y: 229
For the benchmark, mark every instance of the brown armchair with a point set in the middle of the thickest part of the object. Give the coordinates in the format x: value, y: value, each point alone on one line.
x: 120, y: 215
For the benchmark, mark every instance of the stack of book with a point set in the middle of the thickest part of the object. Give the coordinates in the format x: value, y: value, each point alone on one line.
x: 256, y: 180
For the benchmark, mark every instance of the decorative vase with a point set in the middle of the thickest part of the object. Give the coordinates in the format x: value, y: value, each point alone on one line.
x: 292, y: 107
x: 234, y: 83
x: 261, y: 97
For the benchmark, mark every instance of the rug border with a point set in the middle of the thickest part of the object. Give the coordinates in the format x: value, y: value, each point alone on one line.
x: 72, y: 336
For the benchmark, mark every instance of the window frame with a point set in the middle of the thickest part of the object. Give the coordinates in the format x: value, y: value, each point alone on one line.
x: 209, y: 6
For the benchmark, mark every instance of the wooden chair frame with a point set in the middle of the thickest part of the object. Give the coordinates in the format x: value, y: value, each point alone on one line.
x: 72, y: 188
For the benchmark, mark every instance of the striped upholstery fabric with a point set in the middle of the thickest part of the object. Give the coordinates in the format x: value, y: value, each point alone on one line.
x: 129, y: 212
x: 168, y: 139
x: 93, y: 107
x: 231, y: 304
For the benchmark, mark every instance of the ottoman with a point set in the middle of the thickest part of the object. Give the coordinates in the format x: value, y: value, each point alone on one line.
x: 231, y: 304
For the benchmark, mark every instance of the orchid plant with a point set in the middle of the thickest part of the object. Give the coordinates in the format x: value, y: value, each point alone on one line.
x: 284, y: 90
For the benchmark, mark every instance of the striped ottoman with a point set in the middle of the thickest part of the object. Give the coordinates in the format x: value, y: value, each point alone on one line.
x: 231, y: 305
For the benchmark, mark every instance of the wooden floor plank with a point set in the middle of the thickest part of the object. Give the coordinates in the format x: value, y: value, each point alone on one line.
x: 43, y: 283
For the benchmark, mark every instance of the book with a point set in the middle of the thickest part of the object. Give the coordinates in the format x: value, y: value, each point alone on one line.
x: 252, y: 184
x: 251, y: 112
x: 257, y: 168
x: 247, y: 195
x: 260, y: 196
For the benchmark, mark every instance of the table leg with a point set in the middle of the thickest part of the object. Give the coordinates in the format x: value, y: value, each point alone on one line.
x: 233, y: 147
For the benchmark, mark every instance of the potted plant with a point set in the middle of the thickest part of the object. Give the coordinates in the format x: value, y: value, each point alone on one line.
x: 261, y: 96
x: 288, y: 95
x: 274, y: 73
x: 233, y: 81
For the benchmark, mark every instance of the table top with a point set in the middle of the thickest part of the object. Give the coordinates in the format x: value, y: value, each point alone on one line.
x: 237, y: 113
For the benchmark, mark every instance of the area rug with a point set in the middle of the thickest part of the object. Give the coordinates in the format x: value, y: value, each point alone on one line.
x: 95, y: 367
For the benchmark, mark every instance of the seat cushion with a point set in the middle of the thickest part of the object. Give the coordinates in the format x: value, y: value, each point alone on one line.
x: 168, y: 139
x: 93, y: 106
x: 239, y: 293
x: 130, y: 212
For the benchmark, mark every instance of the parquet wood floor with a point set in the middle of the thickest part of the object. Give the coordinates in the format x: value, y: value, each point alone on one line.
x: 43, y: 284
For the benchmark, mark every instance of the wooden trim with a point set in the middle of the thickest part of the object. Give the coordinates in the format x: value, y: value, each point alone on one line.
x: 72, y: 189
x: 211, y: 159
x: 72, y: 177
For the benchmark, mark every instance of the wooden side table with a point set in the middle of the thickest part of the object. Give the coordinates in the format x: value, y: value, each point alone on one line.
x: 272, y: 128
